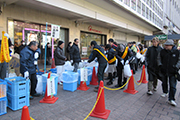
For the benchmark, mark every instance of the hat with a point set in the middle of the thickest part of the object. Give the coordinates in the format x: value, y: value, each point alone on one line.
x: 110, y: 40
x: 60, y: 42
x: 169, y: 42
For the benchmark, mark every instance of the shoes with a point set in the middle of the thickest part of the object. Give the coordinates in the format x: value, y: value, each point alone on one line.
x: 36, y: 95
x: 150, y: 92
x: 31, y: 97
x: 172, y: 102
x: 109, y: 83
x: 164, y: 95
x: 155, y: 89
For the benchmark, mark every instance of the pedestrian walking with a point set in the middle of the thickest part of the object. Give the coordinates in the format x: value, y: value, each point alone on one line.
x: 169, y: 63
x: 152, y: 66
x: 75, y: 55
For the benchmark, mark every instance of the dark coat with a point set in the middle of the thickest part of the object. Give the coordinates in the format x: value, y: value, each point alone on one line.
x: 74, y: 53
x: 59, y: 56
x: 110, y: 55
x: 169, y: 61
x: 68, y: 49
x: 151, y: 59
x: 95, y: 54
x: 27, y: 61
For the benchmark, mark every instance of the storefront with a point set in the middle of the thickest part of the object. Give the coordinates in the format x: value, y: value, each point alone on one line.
x: 85, y: 40
x: 27, y: 31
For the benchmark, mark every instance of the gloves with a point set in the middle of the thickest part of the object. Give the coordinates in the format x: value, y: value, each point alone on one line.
x: 36, y: 55
x: 6, y: 35
x: 26, y: 74
x: 127, y: 62
x: 122, y: 61
x: 71, y: 61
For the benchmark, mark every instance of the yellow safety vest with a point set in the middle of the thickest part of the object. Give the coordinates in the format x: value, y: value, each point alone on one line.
x: 125, y: 53
x: 143, y: 51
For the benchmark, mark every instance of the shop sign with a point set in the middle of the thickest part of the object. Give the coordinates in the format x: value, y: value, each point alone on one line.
x: 55, y: 31
x: 162, y: 37
x: 84, y: 74
x: 84, y: 50
x: 50, y: 86
x: 93, y: 30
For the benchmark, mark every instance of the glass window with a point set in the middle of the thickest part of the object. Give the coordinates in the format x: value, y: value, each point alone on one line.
x: 139, y: 6
x: 150, y: 15
x: 143, y: 10
x: 127, y: 2
x: 147, y: 12
x: 133, y: 4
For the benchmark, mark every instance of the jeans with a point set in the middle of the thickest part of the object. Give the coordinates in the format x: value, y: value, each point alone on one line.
x: 101, y: 69
x: 76, y: 65
x: 172, y: 86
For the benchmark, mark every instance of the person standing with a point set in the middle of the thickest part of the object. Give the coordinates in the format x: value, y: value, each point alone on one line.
x: 48, y: 54
x: 28, y: 65
x: 169, y: 63
x: 98, y: 52
x: 68, y: 48
x: 75, y: 55
x: 134, y: 51
x: 59, y: 60
x: 152, y: 66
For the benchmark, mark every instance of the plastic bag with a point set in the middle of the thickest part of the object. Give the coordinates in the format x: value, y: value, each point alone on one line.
x: 138, y: 55
x: 39, y: 87
x: 142, y: 59
x: 106, y: 70
x: 68, y: 66
x: 127, y: 71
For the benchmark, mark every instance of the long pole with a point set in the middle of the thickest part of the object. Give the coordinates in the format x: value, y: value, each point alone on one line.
x: 45, y: 49
x: 52, y: 48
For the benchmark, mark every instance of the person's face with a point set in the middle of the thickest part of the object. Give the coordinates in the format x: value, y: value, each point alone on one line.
x: 110, y: 43
x: 168, y: 47
x: 129, y: 45
x: 77, y: 41
x: 70, y: 44
x: 155, y: 43
x: 103, y: 47
x: 139, y: 46
x: 62, y: 45
x: 34, y: 47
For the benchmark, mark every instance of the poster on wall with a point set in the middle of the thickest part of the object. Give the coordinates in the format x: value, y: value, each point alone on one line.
x: 44, y: 40
x: 55, y: 31
x: 31, y: 37
x: 84, y: 50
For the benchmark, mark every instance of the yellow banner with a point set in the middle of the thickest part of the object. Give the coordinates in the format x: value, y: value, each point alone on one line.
x: 125, y: 53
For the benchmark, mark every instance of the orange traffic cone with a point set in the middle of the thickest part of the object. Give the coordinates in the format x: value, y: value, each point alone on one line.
x: 143, y: 76
x: 25, y: 113
x: 48, y: 99
x: 100, y: 111
x: 94, y: 80
x: 130, y: 89
x: 53, y: 64
x: 83, y: 86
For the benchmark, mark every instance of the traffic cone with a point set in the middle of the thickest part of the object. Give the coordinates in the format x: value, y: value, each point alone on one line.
x: 143, y: 76
x: 48, y: 99
x: 100, y: 111
x: 25, y: 113
x: 83, y: 86
x: 130, y: 89
x: 53, y: 64
x: 94, y: 80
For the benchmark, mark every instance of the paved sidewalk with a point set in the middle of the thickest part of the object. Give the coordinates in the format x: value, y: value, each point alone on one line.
x: 76, y: 105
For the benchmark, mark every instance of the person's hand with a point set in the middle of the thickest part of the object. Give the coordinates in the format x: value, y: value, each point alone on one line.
x: 26, y: 74
x: 71, y: 61
x: 122, y: 61
x: 36, y: 55
x: 6, y: 35
x: 65, y: 58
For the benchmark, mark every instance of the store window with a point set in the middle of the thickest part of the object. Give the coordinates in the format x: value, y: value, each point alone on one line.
x: 85, y: 41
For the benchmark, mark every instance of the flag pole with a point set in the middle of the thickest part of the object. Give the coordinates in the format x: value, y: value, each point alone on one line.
x: 45, y: 49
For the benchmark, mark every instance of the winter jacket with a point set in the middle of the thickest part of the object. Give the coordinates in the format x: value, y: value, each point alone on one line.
x: 75, y: 54
x: 27, y: 61
x: 68, y: 49
x: 151, y: 58
x: 95, y: 54
x: 59, y: 56
x: 169, y: 61
x: 110, y: 55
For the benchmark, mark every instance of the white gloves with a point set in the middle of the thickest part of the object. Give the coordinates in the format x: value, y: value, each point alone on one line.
x: 127, y: 62
x: 26, y: 74
x: 36, y: 55
x: 122, y: 61
x: 71, y: 61
x: 6, y: 35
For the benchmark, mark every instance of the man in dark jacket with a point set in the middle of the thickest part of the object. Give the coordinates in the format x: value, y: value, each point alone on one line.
x: 124, y: 56
x: 111, y: 60
x: 169, y: 63
x: 28, y: 65
x: 102, y: 60
x: 59, y: 60
x: 152, y: 67
x: 75, y: 55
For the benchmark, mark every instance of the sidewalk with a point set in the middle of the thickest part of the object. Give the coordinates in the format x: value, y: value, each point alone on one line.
x: 76, y: 105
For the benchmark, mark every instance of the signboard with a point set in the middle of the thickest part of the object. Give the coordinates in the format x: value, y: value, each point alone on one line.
x: 50, y: 86
x: 162, y: 37
x: 55, y: 31
x: 84, y: 50
x: 31, y: 37
x: 84, y: 74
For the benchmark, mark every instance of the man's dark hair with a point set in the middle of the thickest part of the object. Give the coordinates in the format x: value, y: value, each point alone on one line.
x: 93, y: 43
x: 75, y: 39
x: 108, y: 46
x: 15, y: 43
x: 133, y: 42
x: 129, y: 43
x: 102, y: 45
x: 111, y: 40
x: 34, y: 43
